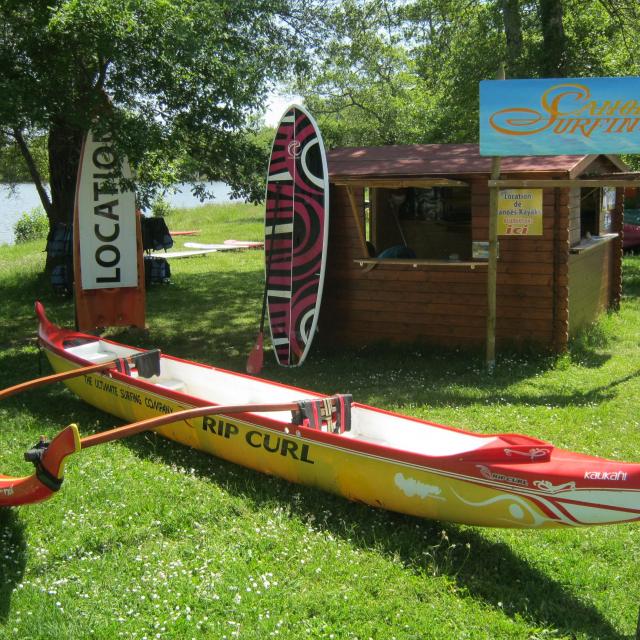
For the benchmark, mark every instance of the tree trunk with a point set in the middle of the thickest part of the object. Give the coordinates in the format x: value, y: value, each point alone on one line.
x: 65, y: 142
x: 554, y: 55
x: 64, y: 153
x: 33, y: 170
x: 513, y: 32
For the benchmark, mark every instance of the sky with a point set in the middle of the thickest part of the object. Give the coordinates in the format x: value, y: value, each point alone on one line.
x: 276, y: 104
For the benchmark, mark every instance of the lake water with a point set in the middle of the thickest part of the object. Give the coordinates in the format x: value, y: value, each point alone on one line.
x: 13, y: 203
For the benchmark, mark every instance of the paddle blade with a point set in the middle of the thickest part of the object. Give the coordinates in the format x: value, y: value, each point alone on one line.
x: 256, y: 357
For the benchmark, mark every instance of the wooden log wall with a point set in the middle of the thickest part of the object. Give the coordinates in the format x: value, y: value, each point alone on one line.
x: 436, y: 304
x: 592, y: 275
x: 528, y: 275
x: 447, y: 304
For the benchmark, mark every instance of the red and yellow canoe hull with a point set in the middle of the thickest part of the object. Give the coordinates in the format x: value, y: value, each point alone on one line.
x: 504, y: 481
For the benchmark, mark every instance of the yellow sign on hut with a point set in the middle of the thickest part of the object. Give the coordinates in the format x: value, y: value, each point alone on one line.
x: 520, y: 212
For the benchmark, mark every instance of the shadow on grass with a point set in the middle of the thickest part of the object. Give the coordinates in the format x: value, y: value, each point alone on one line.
x: 586, y: 348
x: 212, y: 317
x: 440, y: 379
x: 18, y: 296
x: 13, y: 558
x: 208, y: 317
x: 386, y: 386
x: 486, y: 570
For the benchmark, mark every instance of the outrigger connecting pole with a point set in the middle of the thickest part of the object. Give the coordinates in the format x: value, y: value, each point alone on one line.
x: 153, y: 423
x: 49, y: 458
x: 147, y: 363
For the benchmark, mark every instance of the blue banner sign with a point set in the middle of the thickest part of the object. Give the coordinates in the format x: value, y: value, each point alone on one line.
x: 557, y: 116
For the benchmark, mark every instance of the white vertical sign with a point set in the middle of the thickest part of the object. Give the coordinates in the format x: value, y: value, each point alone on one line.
x: 106, y: 218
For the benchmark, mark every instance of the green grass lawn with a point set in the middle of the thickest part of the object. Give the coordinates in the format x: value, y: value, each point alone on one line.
x: 148, y: 539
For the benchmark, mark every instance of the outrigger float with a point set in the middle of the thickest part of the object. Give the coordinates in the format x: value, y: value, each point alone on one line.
x: 365, y: 454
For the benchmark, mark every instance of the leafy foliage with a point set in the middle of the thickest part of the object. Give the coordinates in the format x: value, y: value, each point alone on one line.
x: 161, y: 207
x: 407, y: 72
x: 12, y: 165
x: 32, y: 225
x: 181, y: 84
x: 169, y: 79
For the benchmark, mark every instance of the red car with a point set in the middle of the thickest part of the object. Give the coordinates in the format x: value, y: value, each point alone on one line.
x: 631, y: 220
x: 631, y: 229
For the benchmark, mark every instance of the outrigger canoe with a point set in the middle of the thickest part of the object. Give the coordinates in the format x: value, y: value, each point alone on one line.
x: 365, y: 454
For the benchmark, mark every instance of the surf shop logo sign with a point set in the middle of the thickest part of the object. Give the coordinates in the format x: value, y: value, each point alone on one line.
x: 559, y: 116
x: 106, y: 218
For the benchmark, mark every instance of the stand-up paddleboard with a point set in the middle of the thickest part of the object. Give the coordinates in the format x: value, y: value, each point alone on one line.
x: 296, y: 234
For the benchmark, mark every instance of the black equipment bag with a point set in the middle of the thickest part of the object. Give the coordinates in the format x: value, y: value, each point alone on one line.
x: 156, y: 270
x: 155, y: 234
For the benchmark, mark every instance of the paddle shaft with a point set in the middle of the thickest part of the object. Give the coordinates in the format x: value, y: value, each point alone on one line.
x: 64, y: 375
x: 269, y: 258
x: 153, y: 423
x: 397, y: 219
x: 256, y: 356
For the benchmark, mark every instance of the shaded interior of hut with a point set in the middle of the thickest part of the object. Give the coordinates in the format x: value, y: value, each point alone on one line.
x: 592, y: 218
x: 423, y: 223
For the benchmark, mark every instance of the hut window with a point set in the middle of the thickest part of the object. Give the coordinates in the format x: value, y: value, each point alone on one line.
x: 596, y: 206
x: 590, y: 212
x: 421, y: 223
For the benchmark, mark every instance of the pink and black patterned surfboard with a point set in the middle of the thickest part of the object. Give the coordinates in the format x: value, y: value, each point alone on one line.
x: 296, y: 232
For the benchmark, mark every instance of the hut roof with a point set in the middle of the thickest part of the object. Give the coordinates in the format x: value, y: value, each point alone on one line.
x: 441, y: 159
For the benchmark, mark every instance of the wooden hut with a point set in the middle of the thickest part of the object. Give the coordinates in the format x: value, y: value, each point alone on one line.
x: 408, y: 240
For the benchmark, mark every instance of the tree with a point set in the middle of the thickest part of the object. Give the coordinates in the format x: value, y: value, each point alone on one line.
x: 392, y: 71
x: 13, y: 168
x: 554, y: 62
x: 363, y: 85
x: 513, y: 36
x: 169, y: 80
x: 397, y: 72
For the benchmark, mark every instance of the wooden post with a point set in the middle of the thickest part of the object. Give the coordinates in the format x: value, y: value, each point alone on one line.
x: 355, y: 210
x: 492, y: 266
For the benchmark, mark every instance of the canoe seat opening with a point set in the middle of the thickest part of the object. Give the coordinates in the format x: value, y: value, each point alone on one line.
x: 98, y: 357
x: 97, y: 352
x: 407, y: 434
x: 170, y: 383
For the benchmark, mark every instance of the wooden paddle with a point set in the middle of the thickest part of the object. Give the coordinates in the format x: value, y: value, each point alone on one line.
x: 256, y: 357
x: 147, y: 363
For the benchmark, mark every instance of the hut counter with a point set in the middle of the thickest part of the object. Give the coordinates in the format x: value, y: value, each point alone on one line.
x: 371, y: 263
x: 593, y: 242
